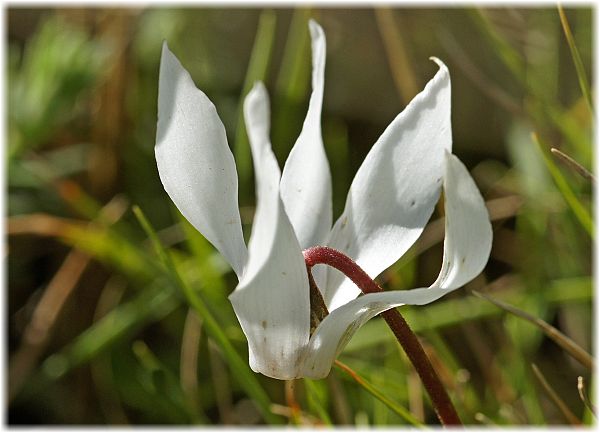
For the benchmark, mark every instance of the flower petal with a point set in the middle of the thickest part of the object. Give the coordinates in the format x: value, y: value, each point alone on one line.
x: 395, y: 190
x: 467, y: 248
x: 194, y: 162
x: 468, y: 239
x: 271, y: 300
x: 306, y: 179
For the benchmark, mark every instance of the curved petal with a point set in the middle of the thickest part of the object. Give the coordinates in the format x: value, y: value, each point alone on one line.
x: 194, y: 162
x: 468, y: 239
x: 306, y: 179
x: 271, y: 300
x: 396, y: 188
x: 466, y: 251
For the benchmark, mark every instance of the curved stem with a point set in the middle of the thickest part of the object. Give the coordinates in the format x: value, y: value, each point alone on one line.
x: 405, y: 336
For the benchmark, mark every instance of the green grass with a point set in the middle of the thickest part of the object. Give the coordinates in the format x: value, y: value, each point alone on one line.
x: 118, y: 348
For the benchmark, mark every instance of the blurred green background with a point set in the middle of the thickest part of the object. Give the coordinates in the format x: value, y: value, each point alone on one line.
x: 108, y: 327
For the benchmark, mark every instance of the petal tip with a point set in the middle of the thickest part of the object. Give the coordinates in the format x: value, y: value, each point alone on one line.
x: 315, y: 29
x: 441, y: 64
x: 257, y: 101
x: 167, y: 55
x: 258, y: 90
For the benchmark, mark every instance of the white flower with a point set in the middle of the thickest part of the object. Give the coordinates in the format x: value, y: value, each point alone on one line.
x: 389, y: 203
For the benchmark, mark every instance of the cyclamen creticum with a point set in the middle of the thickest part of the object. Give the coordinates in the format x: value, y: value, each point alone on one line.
x: 389, y: 203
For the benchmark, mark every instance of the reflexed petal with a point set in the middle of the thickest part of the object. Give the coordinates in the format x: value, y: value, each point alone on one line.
x: 336, y: 330
x: 272, y: 298
x: 306, y: 180
x: 466, y: 250
x: 194, y: 162
x: 468, y: 239
x: 396, y: 188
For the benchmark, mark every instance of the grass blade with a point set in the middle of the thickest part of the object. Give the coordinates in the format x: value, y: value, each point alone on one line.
x: 292, y: 85
x: 581, y: 77
x: 583, y: 395
x: 554, y: 334
x: 574, y: 165
x: 43, y: 320
x: 484, y: 83
x: 314, y: 401
x: 292, y: 80
x: 258, y: 67
x: 151, y: 304
x: 507, y: 54
x: 582, y: 214
x: 452, y: 312
x: 239, y: 368
x: 164, y: 384
x: 188, y: 361
x: 555, y: 397
x: 397, y: 409
x: 397, y: 54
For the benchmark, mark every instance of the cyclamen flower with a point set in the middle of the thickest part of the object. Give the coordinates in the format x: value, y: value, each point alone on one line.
x: 389, y: 203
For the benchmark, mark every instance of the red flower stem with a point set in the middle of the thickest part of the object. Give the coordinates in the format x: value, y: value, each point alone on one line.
x: 406, y: 337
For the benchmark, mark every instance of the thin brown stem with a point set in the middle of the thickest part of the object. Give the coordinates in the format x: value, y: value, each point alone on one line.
x: 188, y: 361
x: 291, y: 401
x: 583, y: 395
x: 573, y: 165
x: 560, y: 404
x: 566, y: 343
x: 405, y: 336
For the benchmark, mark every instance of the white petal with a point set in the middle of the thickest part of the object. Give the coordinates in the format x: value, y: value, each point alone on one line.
x: 335, y: 331
x: 395, y: 190
x: 468, y: 239
x: 467, y: 248
x: 306, y: 179
x: 272, y: 298
x: 194, y: 162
